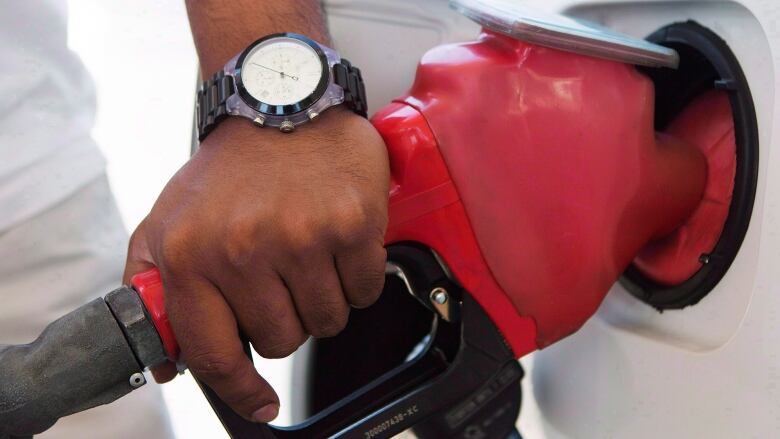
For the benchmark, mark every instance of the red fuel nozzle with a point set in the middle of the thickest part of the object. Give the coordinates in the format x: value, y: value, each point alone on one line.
x: 149, y: 286
x: 537, y: 176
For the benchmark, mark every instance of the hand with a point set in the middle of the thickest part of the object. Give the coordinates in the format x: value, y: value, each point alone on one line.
x: 272, y: 234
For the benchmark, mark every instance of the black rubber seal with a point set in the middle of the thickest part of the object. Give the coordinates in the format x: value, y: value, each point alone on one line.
x: 706, y: 63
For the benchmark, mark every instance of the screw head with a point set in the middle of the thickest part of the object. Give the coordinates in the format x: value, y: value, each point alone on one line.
x: 286, y: 126
x: 439, y: 295
x: 137, y: 380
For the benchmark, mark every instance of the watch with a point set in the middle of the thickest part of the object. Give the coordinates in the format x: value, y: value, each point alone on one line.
x: 281, y: 80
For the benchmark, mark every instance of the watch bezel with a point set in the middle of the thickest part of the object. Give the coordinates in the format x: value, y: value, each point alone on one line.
x: 290, y: 109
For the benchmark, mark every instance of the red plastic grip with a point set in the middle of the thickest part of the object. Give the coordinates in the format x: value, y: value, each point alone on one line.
x: 150, y: 287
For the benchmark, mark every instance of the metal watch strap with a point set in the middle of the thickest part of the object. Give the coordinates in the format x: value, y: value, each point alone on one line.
x: 211, y: 100
x: 214, y: 93
x: 349, y: 78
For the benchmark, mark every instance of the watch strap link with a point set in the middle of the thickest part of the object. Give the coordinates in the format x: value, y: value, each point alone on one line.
x: 350, y: 79
x: 211, y: 102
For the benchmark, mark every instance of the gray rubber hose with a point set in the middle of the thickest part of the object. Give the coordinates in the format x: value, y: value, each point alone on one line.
x: 80, y: 361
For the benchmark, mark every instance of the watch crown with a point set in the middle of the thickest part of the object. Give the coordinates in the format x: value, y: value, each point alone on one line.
x: 286, y: 126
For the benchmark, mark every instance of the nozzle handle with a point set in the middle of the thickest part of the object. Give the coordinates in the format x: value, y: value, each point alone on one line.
x: 149, y: 286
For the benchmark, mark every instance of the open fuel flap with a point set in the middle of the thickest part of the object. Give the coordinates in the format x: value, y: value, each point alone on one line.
x: 707, y: 101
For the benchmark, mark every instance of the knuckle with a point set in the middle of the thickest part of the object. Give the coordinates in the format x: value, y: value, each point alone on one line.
x: 300, y: 241
x: 353, y: 217
x: 280, y: 348
x: 137, y: 244
x: 368, y: 289
x: 175, y: 245
x: 135, y: 237
x: 327, y: 320
x: 366, y: 279
x: 301, y: 236
x: 211, y: 366
x: 358, y: 219
x: 355, y: 228
x: 240, y: 240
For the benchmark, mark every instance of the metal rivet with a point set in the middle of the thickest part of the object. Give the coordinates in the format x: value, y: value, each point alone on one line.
x: 312, y: 114
x: 137, y: 380
x: 439, y: 295
x: 704, y: 259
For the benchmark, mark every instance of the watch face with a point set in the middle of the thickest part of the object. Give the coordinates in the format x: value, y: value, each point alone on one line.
x: 282, y: 74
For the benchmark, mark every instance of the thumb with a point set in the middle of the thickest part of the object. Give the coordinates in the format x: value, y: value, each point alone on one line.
x: 139, y: 258
x: 164, y: 372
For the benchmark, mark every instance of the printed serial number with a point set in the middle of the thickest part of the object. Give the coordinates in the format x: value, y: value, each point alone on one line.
x: 399, y: 417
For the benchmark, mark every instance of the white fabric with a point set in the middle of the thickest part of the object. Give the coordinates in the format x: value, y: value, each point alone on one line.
x: 53, y: 263
x: 47, y: 108
x: 62, y: 241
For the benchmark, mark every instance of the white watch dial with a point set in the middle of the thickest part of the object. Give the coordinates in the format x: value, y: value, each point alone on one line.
x: 281, y: 71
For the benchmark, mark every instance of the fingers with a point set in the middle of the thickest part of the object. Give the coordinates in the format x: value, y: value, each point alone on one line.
x: 362, y: 273
x: 208, y: 336
x: 316, y: 291
x: 164, y: 372
x: 266, y: 313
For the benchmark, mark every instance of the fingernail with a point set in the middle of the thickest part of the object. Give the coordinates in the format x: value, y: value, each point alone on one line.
x: 266, y: 413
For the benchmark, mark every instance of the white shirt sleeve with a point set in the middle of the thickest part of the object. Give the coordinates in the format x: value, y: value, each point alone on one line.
x: 47, y: 109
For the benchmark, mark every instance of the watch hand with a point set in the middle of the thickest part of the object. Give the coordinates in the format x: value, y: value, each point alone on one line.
x: 268, y: 68
x: 294, y: 78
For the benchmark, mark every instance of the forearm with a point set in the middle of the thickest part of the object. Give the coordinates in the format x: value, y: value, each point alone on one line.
x: 222, y: 29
